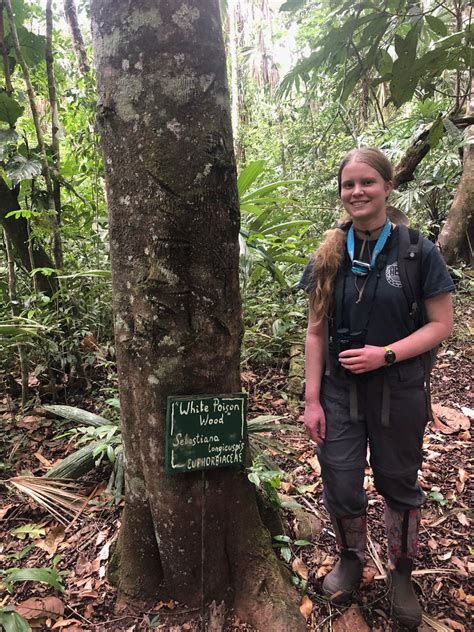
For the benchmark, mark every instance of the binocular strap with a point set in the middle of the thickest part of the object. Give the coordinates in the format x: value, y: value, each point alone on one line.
x: 385, y: 400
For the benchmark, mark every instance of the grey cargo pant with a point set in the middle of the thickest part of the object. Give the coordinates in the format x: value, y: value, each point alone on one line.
x: 395, y: 446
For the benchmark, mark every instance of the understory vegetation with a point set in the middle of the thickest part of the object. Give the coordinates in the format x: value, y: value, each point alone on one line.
x: 309, y: 81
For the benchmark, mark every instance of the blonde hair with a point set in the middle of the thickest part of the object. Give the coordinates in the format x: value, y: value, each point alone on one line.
x: 331, y: 252
x: 327, y: 261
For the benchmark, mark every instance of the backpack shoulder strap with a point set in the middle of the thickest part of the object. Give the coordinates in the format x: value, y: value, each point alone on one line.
x: 409, y: 268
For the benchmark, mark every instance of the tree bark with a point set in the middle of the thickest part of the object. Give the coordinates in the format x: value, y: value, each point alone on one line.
x: 53, y: 104
x: 70, y: 13
x: 17, y: 231
x: 457, y: 236
x: 4, y: 52
x: 58, y: 256
x: 164, y: 116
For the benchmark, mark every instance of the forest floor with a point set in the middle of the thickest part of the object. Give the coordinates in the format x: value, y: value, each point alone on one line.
x: 30, y: 538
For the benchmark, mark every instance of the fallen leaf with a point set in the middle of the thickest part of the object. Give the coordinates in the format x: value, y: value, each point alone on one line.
x: 52, y: 541
x: 469, y: 412
x: 460, y: 594
x: 4, y: 510
x: 313, y: 461
x: 351, y: 621
x: 30, y: 422
x: 308, y: 489
x: 93, y: 594
x: 64, y: 623
x: 432, y: 544
x: 464, y: 436
x: 248, y: 376
x: 460, y: 564
x: 40, y: 607
x: 447, y: 541
x: 42, y: 459
x: 454, y: 625
x: 448, y: 420
x: 307, y: 526
x: 84, y: 567
x: 288, y: 487
x: 463, y: 519
x: 445, y: 556
x: 104, y: 551
x: 300, y: 568
x: 326, y: 566
x: 370, y: 571
x: 306, y: 607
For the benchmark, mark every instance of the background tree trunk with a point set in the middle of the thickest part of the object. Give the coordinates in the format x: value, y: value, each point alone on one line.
x: 174, y: 219
x: 17, y: 232
x: 457, y: 236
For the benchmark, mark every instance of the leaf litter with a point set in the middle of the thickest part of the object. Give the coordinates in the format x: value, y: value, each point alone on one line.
x: 82, y: 550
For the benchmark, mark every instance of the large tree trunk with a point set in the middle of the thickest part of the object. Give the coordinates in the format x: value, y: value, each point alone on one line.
x: 174, y: 220
x: 457, y: 236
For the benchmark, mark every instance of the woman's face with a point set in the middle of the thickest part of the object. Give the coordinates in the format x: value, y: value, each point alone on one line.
x: 364, y: 194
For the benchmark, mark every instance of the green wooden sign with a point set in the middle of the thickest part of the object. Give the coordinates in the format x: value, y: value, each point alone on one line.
x: 205, y: 432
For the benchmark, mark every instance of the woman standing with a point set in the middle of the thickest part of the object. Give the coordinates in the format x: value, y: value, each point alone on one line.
x: 365, y: 376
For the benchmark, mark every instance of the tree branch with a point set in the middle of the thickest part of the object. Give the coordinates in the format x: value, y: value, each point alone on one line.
x: 70, y: 13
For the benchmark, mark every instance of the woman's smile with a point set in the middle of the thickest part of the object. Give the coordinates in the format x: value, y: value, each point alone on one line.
x: 364, y: 194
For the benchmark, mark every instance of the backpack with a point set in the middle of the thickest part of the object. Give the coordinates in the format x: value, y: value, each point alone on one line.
x: 409, y: 270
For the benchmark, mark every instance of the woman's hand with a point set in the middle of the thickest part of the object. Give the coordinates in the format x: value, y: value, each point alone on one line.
x: 361, y: 360
x: 315, y: 422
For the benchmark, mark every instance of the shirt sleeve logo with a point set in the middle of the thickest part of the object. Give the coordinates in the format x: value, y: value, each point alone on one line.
x: 392, y: 276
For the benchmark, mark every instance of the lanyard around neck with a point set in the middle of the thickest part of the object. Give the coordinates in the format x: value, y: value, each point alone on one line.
x: 360, y: 268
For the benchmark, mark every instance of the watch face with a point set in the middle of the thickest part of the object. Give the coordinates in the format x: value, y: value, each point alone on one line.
x: 390, y: 356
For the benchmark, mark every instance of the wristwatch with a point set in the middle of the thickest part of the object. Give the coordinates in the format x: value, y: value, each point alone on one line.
x: 390, y: 356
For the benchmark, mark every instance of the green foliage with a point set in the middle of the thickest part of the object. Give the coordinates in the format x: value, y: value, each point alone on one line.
x: 20, y: 168
x: 49, y: 576
x: 12, y: 621
x: 31, y: 530
x: 78, y: 415
x: 402, y: 46
x: 20, y: 329
x: 285, y: 545
x: 10, y: 111
x: 268, y: 236
x: 438, y: 498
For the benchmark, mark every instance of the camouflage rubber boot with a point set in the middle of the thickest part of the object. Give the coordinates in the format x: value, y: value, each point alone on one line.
x: 402, y: 535
x: 351, y: 536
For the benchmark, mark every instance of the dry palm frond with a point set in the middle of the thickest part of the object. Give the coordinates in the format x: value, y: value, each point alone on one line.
x: 61, y: 498
x: 435, y: 624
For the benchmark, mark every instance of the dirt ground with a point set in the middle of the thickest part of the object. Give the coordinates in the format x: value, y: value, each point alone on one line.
x: 30, y: 538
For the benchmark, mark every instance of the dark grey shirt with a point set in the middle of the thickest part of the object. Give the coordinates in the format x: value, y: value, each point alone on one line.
x: 383, y: 311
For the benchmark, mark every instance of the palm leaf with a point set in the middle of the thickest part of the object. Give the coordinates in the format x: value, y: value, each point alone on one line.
x: 77, y: 414
x: 59, y: 497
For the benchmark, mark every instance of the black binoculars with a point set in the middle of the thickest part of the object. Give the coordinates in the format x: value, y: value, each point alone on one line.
x: 346, y: 339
